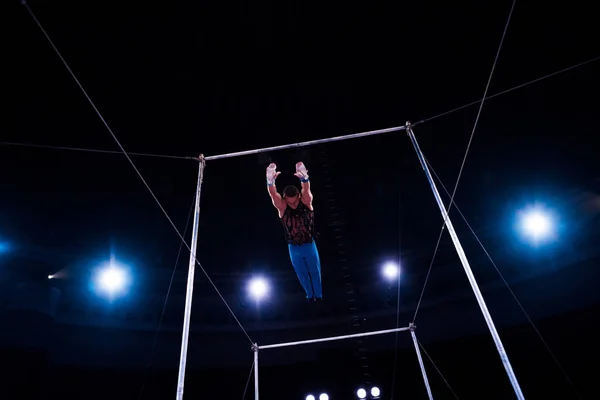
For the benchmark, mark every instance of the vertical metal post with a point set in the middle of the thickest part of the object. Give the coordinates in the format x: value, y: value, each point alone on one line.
x: 465, y: 263
x: 190, y: 284
x: 418, y: 350
x: 255, y: 349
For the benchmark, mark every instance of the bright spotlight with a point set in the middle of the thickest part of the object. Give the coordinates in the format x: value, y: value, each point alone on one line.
x: 536, y: 224
x: 375, y: 392
x: 112, y: 279
x: 361, y: 393
x: 324, y: 396
x: 310, y: 397
x: 258, y: 288
x: 50, y: 276
x: 390, y: 270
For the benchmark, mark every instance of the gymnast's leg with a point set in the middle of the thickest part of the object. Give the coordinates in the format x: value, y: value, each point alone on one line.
x: 313, y: 265
x: 297, y: 257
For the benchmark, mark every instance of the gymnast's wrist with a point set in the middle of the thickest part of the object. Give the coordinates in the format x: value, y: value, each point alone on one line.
x: 304, y: 179
x: 270, y: 182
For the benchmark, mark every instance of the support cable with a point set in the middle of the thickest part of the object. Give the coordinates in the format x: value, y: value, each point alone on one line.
x: 437, y: 369
x: 132, y: 163
x: 462, y: 165
x: 50, y: 147
x: 248, y: 380
x: 44, y: 146
x: 522, y: 85
x: 537, y: 331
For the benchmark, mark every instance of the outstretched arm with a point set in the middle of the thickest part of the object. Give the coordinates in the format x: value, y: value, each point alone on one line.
x: 302, y: 174
x: 276, y: 198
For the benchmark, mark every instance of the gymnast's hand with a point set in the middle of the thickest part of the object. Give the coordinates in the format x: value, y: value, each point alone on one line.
x: 301, y: 171
x: 272, y: 174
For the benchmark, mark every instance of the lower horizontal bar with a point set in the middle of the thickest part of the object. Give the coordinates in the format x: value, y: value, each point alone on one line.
x: 331, y: 339
x: 303, y: 144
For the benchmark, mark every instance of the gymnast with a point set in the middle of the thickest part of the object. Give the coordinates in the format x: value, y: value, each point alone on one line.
x: 297, y: 215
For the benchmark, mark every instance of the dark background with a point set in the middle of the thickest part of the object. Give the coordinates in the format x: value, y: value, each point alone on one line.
x: 183, y: 78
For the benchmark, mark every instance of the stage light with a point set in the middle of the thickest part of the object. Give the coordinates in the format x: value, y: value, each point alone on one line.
x: 537, y: 224
x: 324, y: 396
x: 258, y: 288
x: 310, y: 397
x: 361, y: 393
x: 375, y: 392
x: 390, y: 270
x: 50, y: 276
x: 112, y: 279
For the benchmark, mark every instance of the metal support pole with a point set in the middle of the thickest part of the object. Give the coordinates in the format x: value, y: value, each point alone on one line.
x: 190, y: 283
x: 418, y: 350
x: 255, y: 349
x: 465, y: 263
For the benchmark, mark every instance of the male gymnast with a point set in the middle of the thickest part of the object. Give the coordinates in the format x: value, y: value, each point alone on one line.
x: 297, y: 215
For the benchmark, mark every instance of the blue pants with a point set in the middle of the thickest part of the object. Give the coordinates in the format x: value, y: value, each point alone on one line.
x: 305, y: 259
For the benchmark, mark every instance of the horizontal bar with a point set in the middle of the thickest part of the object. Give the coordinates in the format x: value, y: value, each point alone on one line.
x: 303, y: 144
x: 331, y: 339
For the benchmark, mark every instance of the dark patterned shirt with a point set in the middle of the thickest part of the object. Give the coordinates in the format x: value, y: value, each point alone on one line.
x: 298, y: 224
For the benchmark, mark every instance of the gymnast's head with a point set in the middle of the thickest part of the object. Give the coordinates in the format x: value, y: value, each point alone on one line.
x: 291, y: 195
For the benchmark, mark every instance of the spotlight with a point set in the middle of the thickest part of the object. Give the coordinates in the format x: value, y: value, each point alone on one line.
x: 361, y: 393
x: 375, y: 392
x: 390, y: 270
x: 310, y: 397
x: 324, y: 396
x: 112, y: 279
x: 50, y: 276
x: 258, y: 288
x: 537, y: 224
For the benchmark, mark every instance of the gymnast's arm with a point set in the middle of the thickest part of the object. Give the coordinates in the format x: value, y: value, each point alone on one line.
x: 276, y: 198
x: 306, y: 195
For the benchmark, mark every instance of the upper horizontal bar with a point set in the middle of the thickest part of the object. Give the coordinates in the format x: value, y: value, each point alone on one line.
x: 330, y: 339
x: 303, y: 144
